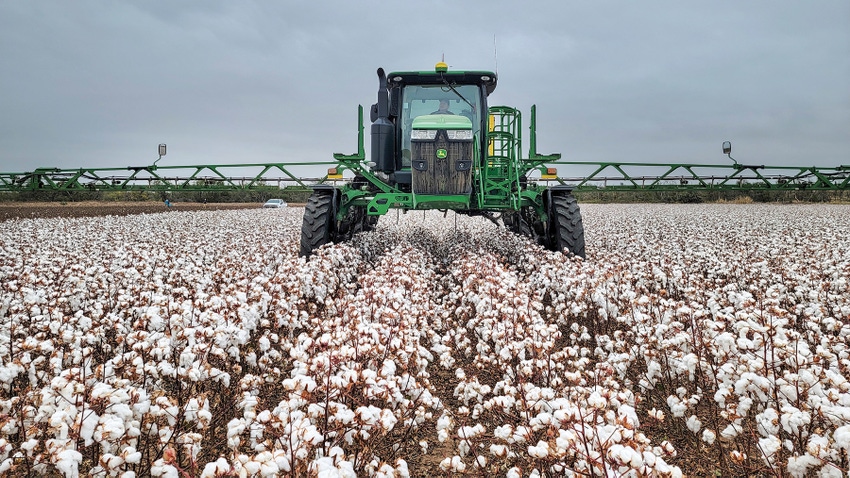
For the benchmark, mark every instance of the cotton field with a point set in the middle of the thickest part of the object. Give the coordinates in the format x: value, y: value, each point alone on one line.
x: 709, y: 340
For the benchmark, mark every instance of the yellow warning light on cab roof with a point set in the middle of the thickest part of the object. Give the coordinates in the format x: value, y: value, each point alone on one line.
x: 441, y: 67
x: 334, y: 173
x: 551, y: 173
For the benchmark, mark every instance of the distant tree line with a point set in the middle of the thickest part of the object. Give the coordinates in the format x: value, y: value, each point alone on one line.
x: 290, y: 194
x: 715, y: 196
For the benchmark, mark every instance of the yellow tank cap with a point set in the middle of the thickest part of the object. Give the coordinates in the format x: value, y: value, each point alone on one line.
x: 441, y: 67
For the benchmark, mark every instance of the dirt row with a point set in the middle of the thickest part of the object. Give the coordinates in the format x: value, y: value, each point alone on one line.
x: 16, y: 210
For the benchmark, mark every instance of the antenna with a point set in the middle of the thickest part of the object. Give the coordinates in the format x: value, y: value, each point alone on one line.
x: 495, y: 58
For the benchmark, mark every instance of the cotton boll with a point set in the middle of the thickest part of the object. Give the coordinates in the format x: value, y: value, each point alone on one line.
x: 595, y: 400
x: 457, y: 464
x: 769, y: 445
x: 539, y: 451
x: 792, y: 419
x: 768, y: 422
x: 841, y: 436
x: 209, y: 470
x: 68, y: 461
x: 818, y: 446
x: 798, y: 466
x: 252, y: 467
x: 388, y: 420
x: 693, y: 423
x: 500, y: 451
x: 677, y: 407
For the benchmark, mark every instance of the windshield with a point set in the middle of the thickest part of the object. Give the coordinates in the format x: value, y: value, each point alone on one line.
x: 416, y: 101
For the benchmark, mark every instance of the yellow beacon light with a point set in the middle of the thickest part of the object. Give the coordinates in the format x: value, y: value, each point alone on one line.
x: 441, y: 67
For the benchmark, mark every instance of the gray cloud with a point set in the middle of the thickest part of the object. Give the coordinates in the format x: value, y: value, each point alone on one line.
x: 102, y: 83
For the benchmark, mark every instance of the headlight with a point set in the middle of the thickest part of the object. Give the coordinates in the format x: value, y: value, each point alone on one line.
x: 423, y: 134
x: 459, y: 134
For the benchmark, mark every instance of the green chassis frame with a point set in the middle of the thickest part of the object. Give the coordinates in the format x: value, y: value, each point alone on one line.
x: 498, y: 176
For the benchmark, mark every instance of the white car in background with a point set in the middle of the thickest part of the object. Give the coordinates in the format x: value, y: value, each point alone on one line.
x: 275, y: 203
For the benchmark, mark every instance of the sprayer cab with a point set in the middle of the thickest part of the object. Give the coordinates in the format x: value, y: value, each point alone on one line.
x: 427, y: 126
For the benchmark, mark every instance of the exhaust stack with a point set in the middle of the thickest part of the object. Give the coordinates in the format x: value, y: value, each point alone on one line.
x: 383, y: 130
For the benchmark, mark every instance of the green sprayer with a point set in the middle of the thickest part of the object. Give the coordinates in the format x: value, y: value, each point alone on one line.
x: 436, y: 143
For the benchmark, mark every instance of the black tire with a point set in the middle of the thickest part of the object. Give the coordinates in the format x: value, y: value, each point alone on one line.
x: 518, y: 223
x: 318, y: 226
x: 525, y: 229
x: 565, y: 227
x: 369, y: 223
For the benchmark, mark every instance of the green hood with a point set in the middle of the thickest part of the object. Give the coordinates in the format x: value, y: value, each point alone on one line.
x: 442, y: 122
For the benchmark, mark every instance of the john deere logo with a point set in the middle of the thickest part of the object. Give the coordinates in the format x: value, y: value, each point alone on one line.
x: 442, y: 153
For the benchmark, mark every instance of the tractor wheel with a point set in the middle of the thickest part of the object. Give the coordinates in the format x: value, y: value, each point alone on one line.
x: 525, y: 228
x: 318, y: 226
x: 565, y: 227
x: 355, y: 222
x: 515, y: 223
x: 369, y: 223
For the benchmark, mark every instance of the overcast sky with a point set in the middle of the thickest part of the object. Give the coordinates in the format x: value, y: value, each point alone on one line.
x: 101, y: 83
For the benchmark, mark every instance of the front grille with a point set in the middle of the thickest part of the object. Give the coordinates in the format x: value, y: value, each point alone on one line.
x: 434, y: 175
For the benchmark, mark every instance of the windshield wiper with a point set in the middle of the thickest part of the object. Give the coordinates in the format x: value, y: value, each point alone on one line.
x: 455, y: 91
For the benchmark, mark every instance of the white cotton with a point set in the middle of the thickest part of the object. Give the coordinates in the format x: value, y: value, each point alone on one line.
x: 499, y: 451
x: 730, y: 432
x: 90, y: 421
x: 677, y: 406
x: 818, y: 446
x: 252, y: 467
x: 841, y: 436
x: 595, y: 400
x: 792, y: 419
x: 504, y: 432
x: 388, y: 369
x: 458, y: 464
x: 768, y: 422
x: 67, y: 462
x: 693, y: 423
x: 264, y: 343
x: 798, y: 466
x: 770, y: 445
x: 209, y: 470
x: 541, y: 450
x: 388, y: 419
x: 131, y: 455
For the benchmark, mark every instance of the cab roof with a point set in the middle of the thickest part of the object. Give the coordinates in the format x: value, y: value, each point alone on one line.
x: 402, y: 78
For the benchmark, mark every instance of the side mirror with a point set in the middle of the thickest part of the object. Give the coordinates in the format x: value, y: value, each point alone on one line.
x: 727, y: 150
x: 161, y: 153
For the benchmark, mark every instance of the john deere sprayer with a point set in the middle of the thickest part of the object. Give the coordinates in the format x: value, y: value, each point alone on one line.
x: 436, y: 143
